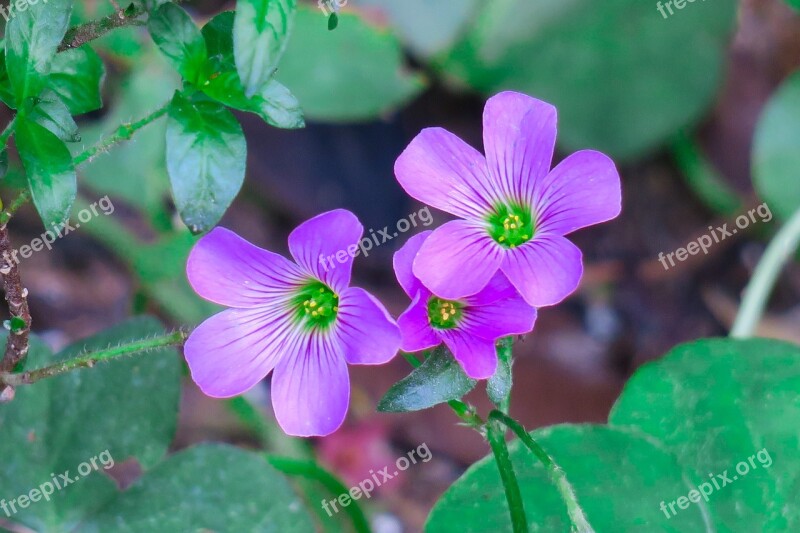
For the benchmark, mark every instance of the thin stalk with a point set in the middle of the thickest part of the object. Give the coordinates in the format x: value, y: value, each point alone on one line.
x: 557, y: 475
x: 124, y: 132
x: 778, y: 253
x: 311, y: 470
x: 92, y: 358
x: 7, y: 132
x: 497, y: 441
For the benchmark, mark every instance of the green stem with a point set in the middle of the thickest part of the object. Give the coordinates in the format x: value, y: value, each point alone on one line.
x: 557, y: 475
x: 310, y: 470
x: 123, y: 133
x: 90, y: 359
x: 778, y: 253
x: 18, y: 202
x: 497, y: 441
x: 7, y: 132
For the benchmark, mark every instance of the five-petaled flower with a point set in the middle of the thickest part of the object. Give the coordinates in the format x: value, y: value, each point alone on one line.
x: 469, y: 326
x: 295, y: 319
x: 515, y: 210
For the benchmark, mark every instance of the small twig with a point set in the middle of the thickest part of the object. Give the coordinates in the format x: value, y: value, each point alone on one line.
x: 7, y: 132
x: 80, y: 35
x: 17, y: 298
x: 88, y: 360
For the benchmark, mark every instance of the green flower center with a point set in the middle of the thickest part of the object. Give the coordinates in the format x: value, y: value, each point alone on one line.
x: 511, y: 225
x: 444, y: 314
x: 316, y: 305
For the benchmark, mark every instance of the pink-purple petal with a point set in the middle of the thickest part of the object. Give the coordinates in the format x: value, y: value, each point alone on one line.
x: 415, y: 328
x: 403, y: 261
x: 226, y: 269
x: 513, y: 316
x: 311, y: 387
x: 519, y: 136
x: 584, y: 189
x: 324, y: 246
x: 233, y: 350
x: 457, y: 260
x: 369, y: 336
x: 498, y: 288
x: 545, y: 270
x: 477, y: 356
x: 439, y: 169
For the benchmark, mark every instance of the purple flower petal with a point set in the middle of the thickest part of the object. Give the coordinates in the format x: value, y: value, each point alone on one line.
x: 545, y: 270
x: 324, y: 246
x: 311, y: 387
x: 513, y: 316
x: 403, y: 261
x: 584, y: 189
x: 369, y: 336
x: 233, y: 350
x: 415, y: 327
x: 226, y: 269
x: 441, y: 170
x: 519, y: 136
x: 477, y: 356
x: 457, y: 260
x: 498, y: 288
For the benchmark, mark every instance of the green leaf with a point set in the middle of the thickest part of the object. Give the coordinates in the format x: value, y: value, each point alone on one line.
x: 637, y: 476
x: 613, y: 68
x: 51, y: 175
x: 176, y: 35
x: 354, y: 73
x: 794, y: 3
x: 32, y: 38
x: 6, y: 92
x: 76, y: 75
x: 206, y: 155
x: 717, y: 402
x: 439, y: 379
x: 131, y: 405
x: 51, y: 112
x: 273, y: 102
x: 3, y: 163
x: 206, y: 488
x: 498, y: 387
x: 776, y: 150
x: 260, y: 32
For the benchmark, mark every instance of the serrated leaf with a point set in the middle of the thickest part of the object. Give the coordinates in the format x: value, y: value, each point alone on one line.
x: 206, y: 156
x: 179, y: 39
x: 51, y: 174
x: 52, y: 113
x: 131, y: 403
x: 498, y: 387
x: 77, y: 75
x: 776, y: 150
x: 439, y: 379
x: 206, y: 488
x: 260, y: 33
x: 32, y: 38
x: 715, y: 403
x: 355, y: 73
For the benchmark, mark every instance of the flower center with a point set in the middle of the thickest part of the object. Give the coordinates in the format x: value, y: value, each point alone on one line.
x: 511, y: 225
x: 317, y: 305
x: 444, y: 314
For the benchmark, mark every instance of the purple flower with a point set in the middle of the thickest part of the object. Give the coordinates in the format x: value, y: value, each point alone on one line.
x: 297, y: 320
x: 515, y: 210
x: 468, y: 326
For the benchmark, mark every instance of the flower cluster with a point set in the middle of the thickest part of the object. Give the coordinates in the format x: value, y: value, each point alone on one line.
x: 471, y: 281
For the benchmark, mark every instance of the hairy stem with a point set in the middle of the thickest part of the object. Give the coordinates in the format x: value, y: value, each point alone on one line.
x: 124, y: 132
x: 7, y: 132
x: 90, y: 359
x: 557, y: 475
x: 756, y: 294
x: 80, y: 35
x: 17, y: 298
x: 497, y: 441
